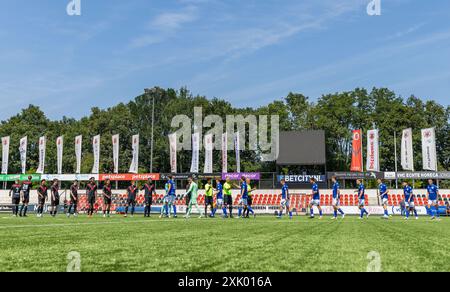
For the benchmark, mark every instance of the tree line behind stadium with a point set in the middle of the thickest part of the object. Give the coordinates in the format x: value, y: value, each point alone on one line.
x: 334, y: 113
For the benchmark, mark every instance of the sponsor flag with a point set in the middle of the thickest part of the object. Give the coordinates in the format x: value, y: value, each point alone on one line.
x: 59, y: 154
x: 78, y: 149
x: 5, y: 154
x: 96, y: 151
x: 42, y: 146
x: 115, y: 142
x: 373, y: 151
x: 238, y: 152
x: 357, y: 155
x: 208, y: 154
x: 429, y: 149
x: 23, y: 154
x: 195, y: 152
x: 173, y: 152
x: 134, y: 167
x: 407, y: 155
x: 224, y: 153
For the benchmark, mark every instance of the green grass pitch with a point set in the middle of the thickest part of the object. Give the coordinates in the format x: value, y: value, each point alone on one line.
x: 233, y: 245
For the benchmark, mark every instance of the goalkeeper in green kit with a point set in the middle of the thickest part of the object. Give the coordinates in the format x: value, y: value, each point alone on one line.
x: 193, y: 192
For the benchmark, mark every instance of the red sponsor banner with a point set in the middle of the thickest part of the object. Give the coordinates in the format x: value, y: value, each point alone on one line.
x: 129, y: 176
x: 357, y: 157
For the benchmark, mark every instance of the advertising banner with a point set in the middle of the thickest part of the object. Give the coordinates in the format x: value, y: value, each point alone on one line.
x: 429, y: 149
x: 238, y: 175
x: 115, y: 142
x: 373, y: 151
x: 21, y: 177
x: 407, y: 155
x: 42, y: 146
x: 5, y: 154
x: 208, y: 154
x: 357, y: 157
x: 134, y: 167
x: 129, y: 177
x: 224, y: 153
x: 23, y: 153
x: 419, y: 175
x: 78, y: 149
x: 355, y: 175
x: 59, y: 153
x: 96, y: 151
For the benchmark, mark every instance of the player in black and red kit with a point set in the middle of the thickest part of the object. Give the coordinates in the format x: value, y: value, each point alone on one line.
x: 54, y: 197
x: 73, y: 199
x: 26, y: 189
x: 107, y: 198
x: 131, y: 191
x: 14, y: 193
x: 91, y: 192
x: 149, y: 190
x: 42, y: 197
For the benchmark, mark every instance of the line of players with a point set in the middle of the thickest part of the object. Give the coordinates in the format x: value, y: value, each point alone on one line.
x: 20, y: 192
x: 409, y: 200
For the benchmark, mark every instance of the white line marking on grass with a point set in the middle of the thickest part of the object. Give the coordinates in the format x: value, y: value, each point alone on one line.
x: 74, y: 224
x: 124, y: 221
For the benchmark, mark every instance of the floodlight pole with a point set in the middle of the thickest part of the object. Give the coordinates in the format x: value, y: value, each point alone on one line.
x: 147, y: 92
x: 396, y: 165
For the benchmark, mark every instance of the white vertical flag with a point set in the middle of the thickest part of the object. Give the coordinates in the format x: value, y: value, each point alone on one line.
x: 195, y: 152
x: 407, y: 155
x: 224, y: 153
x: 42, y: 149
x: 173, y: 152
x: 115, y: 142
x: 23, y: 154
x: 42, y: 146
x: 373, y: 155
x: 78, y: 151
x: 5, y: 154
x: 96, y: 151
x: 134, y: 167
x: 208, y: 154
x: 59, y: 153
x: 237, y: 148
x: 429, y: 149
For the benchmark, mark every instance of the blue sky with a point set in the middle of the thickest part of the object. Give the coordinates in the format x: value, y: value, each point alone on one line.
x: 248, y: 52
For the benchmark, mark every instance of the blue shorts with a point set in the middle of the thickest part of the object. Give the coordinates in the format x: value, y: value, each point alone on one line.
x: 285, y: 203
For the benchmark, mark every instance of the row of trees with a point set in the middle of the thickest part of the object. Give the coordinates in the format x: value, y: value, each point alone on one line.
x: 336, y: 113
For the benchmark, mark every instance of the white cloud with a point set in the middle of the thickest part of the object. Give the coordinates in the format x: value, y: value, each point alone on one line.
x: 164, y: 26
x: 174, y: 20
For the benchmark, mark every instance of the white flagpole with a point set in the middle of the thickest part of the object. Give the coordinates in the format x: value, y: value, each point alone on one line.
x: 396, y: 164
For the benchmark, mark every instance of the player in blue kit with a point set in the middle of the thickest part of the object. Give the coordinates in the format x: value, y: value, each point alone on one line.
x: 244, y: 199
x: 384, y: 195
x: 409, y: 200
x: 171, y: 197
x: 337, y: 199
x: 433, y: 194
x: 362, y: 198
x: 315, y: 199
x: 250, y: 199
x: 285, y: 200
x: 219, y: 199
